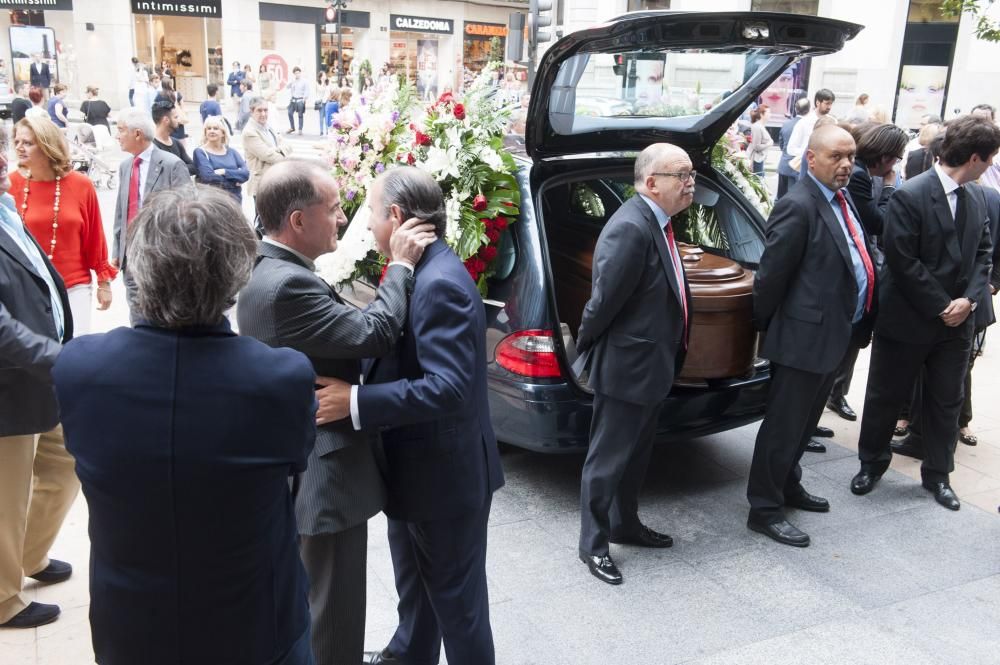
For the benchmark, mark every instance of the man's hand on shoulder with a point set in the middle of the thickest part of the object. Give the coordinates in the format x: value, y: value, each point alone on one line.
x: 409, y: 240
x: 334, y: 399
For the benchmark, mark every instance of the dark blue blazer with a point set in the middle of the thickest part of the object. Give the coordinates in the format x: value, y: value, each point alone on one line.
x: 184, y: 442
x: 440, y: 457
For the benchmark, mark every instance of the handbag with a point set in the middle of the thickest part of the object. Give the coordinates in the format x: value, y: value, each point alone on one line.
x: 318, y: 105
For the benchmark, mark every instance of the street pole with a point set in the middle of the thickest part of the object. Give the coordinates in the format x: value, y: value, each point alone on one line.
x: 340, y: 6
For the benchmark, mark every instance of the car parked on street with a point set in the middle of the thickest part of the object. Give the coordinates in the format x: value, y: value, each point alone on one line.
x: 600, y: 96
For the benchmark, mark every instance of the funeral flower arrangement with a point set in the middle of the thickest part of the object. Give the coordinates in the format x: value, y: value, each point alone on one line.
x: 458, y: 140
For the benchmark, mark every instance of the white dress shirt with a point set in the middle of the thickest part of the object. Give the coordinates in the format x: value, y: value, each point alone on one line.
x: 950, y: 189
x: 145, y: 156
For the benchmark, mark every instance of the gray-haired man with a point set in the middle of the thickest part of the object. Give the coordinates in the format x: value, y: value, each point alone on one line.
x: 148, y: 170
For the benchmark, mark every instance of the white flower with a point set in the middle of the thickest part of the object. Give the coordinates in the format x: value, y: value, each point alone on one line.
x: 491, y: 157
x: 453, y: 211
x: 339, y: 266
x: 441, y: 163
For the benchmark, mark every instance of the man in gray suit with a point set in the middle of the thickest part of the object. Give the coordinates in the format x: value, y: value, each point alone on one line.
x: 148, y: 170
x: 287, y: 304
x: 37, y: 479
x: 635, y: 329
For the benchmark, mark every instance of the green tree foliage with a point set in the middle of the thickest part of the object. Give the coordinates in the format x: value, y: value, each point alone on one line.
x: 987, y: 29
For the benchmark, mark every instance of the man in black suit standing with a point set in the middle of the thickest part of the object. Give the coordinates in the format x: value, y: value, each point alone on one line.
x: 937, y: 255
x: 787, y: 176
x: 633, y: 334
x: 813, y: 293
x: 39, y: 73
x: 286, y: 304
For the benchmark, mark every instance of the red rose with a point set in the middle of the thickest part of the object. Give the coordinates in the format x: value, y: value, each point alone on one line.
x: 445, y: 98
x: 459, y: 111
x: 410, y: 159
x: 488, y: 253
x: 500, y: 223
x: 508, y: 204
x: 422, y: 139
x: 479, y: 203
x: 487, y: 223
x: 493, y: 235
x: 475, y: 266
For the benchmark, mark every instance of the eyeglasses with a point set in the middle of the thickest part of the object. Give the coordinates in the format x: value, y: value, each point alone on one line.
x: 683, y: 176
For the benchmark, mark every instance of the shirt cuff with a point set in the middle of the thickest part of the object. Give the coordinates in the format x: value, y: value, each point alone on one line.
x: 355, y: 416
x: 405, y: 264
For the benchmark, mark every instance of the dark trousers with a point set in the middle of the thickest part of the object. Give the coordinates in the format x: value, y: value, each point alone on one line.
x: 131, y: 292
x: 915, y: 406
x: 795, y: 402
x: 784, y: 184
x: 844, y: 373
x: 758, y: 168
x: 337, y: 567
x: 131, y: 96
x: 440, y: 569
x: 893, y: 369
x: 621, y: 442
x: 294, y: 107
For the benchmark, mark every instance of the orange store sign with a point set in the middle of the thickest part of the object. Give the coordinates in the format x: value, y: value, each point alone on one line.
x: 485, y: 29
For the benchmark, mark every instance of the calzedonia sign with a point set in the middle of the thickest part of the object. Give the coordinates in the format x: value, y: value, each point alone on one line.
x: 442, y: 26
x: 197, y: 8
x: 36, y: 4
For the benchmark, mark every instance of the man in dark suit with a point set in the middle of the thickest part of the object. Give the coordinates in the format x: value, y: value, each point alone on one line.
x: 813, y: 293
x: 147, y: 170
x: 787, y: 176
x: 34, y: 318
x: 438, y: 455
x: 286, y: 304
x: 632, y: 335
x: 937, y: 255
x: 879, y: 150
x: 39, y: 73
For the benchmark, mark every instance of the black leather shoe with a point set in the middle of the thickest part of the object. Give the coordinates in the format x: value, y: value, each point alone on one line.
x: 943, y: 494
x: 814, y: 446
x: 603, y: 568
x: 35, y: 614
x: 56, y: 571
x: 864, y: 482
x: 839, y: 406
x: 807, y: 501
x: 908, y: 448
x: 781, y: 531
x: 824, y: 432
x: 644, y: 537
x: 379, y: 657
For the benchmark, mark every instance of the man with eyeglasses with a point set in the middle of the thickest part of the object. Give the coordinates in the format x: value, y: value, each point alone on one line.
x: 813, y: 292
x: 633, y: 337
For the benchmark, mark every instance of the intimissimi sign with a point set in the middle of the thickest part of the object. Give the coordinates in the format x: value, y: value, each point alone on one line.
x: 36, y: 4
x: 197, y: 8
x: 420, y: 24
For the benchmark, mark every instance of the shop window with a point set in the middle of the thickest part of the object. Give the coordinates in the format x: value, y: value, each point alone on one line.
x: 639, y: 5
x: 928, y: 11
x: 805, y: 7
x: 27, y: 17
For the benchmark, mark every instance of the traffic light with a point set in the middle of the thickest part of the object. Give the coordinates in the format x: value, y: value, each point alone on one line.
x: 619, y: 66
x: 539, y: 17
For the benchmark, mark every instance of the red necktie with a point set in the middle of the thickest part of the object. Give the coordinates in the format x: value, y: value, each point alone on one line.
x: 675, y: 259
x: 859, y: 243
x: 133, y: 191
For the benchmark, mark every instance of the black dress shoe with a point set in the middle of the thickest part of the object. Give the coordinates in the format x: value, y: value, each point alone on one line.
x: 379, y: 657
x: 943, y: 494
x: 781, y: 531
x: 603, y: 568
x: 864, y: 482
x: 814, y: 446
x: 839, y: 406
x: 644, y: 537
x: 807, y: 501
x: 908, y: 447
x: 824, y: 432
x: 56, y: 571
x: 35, y: 614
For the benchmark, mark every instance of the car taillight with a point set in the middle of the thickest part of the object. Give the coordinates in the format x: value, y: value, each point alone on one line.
x: 529, y: 353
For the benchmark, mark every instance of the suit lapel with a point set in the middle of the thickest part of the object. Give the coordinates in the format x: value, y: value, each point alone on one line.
x: 8, y: 245
x: 155, y: 168
x: 942, y: 211
x: 660, y: 242
x: 833, y: 224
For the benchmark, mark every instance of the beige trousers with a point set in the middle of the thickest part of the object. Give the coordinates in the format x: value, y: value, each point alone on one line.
x: 38, y: 484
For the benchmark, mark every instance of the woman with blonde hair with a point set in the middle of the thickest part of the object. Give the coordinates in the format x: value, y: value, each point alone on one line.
x: 217, y: 164
x: 60, y: 209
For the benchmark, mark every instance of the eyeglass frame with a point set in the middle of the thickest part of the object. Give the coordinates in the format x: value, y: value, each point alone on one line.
x: 680, y: 175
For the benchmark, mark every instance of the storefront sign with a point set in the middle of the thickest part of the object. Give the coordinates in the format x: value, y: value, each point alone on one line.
x: 36, y: 4
x: 419, y: 24
x: 197, y: 8
x: 485, y: 30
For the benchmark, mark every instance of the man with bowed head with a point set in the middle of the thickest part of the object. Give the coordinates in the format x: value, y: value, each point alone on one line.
x: 633, y: 335
x: 438, y: 453
x: 813, y: 292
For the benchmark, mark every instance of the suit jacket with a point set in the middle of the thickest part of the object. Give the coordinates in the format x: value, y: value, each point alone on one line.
x: 928, y: 264
x: 286, y: 304
x: 184, y: 441
x: 166, y: 171
x: 805, y: 292
x: 985, y: 314
x: 29, y: 342
x: 40, y: 76
x: 261, y: 153
x: 783, y: 138
x: 439, y: 454
x: 633, y: 324
x: 871, y: 209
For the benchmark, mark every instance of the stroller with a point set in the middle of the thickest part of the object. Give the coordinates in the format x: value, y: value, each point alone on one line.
x: 94, y: 152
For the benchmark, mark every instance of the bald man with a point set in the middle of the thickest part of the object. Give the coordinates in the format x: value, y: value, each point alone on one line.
x: 633, y: 334
x: 813, y: 293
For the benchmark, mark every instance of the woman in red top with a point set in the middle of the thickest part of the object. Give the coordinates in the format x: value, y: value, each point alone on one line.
x: 59, y: 206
